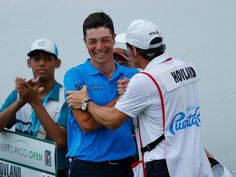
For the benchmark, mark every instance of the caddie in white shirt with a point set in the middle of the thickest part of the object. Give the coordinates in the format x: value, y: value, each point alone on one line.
x: 163, y: 100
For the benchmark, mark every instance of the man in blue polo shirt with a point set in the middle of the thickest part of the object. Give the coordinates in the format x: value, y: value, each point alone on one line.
x: 98, y: 151
x: 37, y: 107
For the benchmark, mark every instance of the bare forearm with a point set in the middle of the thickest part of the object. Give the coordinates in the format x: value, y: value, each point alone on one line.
x: 93, y: 120
x: 9, y: 113
x: 112, y: 104
x: 98, y: 114
x: 85, y: 119
x: 108, y: 117
x: 54, y: 132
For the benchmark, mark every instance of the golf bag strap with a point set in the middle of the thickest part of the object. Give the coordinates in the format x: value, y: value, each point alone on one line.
x: 153, y: 144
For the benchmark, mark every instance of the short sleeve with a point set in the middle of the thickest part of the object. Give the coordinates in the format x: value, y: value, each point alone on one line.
x: 72, y: 80
x: 62, y: 120
x: 136, y: 97
x: 12, y: 97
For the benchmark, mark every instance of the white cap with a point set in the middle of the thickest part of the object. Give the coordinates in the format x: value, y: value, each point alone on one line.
x: 139, y: 34
x: 44, y: 45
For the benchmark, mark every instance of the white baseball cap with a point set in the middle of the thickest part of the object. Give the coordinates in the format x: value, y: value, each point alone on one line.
x: 43, y: 45
x: 139, y: 34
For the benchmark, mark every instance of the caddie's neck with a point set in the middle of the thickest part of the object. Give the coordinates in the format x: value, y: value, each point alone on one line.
x: 139, y: 61
x: 143, y: 63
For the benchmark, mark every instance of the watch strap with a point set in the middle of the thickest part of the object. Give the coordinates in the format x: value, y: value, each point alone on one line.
x: 87, y: 100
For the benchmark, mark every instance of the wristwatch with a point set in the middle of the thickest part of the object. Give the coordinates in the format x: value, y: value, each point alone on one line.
x: 84, y: 105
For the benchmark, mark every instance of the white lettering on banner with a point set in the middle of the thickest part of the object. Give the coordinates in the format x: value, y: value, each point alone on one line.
x: 8, y: 170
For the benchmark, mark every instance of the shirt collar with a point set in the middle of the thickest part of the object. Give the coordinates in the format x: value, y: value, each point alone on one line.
x: 158, y: 60
x: 90, y: 68
x: 119, y: 68
x: 93, y: 71
x: 54, y: 93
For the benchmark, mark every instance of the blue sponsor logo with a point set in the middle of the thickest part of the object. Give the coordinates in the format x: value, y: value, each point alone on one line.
x: 183, y: 120
x: 48, y: 161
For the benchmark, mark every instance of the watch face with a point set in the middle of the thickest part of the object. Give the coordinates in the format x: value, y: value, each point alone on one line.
x: 84, y: 106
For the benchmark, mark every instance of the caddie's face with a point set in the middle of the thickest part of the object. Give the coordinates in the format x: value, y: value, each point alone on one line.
x: 43, y: 65
x: 99, y: 43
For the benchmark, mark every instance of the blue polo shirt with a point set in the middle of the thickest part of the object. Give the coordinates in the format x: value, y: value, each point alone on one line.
x: 31, y: 127
x: 103, y: 143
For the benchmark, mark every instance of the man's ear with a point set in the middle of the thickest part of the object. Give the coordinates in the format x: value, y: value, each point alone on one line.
x: 29, y: 62
x: 85, y: 41
x: 114, y: 38
x: 58, y: 63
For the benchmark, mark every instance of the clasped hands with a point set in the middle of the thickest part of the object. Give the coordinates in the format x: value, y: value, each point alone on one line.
x: 75, y: 99
x: 28, y: 90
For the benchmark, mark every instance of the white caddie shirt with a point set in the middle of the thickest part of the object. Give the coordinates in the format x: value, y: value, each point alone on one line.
x: 181, y: 148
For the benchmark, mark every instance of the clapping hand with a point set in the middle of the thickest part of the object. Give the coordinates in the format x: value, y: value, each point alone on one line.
x: 28, y: 89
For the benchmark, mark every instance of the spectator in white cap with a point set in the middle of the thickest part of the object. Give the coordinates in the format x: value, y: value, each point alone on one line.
x: 36, y: 107
x: 43, y: 45
x: 164, y: 100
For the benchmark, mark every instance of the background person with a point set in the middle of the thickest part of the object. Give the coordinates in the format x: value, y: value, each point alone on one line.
x: 37, y: 107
